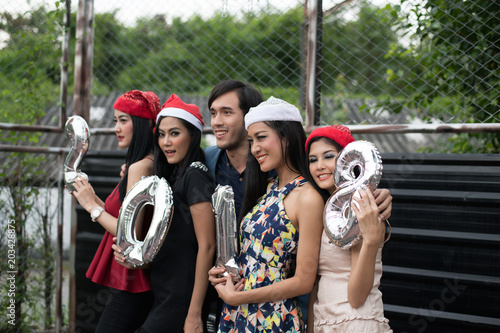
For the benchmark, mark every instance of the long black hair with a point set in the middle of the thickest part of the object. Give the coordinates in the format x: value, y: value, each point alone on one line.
x: 195, y: 153
x: 293, y: 154
x: 140, y: 146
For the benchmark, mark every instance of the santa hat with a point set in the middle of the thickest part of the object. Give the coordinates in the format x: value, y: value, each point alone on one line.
x: 338, y: 133
x: 274, y: 109
x: 142, y: 104
x: 175, y: 107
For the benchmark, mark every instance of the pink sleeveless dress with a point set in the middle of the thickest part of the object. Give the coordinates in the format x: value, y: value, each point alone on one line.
x: 332, y: 311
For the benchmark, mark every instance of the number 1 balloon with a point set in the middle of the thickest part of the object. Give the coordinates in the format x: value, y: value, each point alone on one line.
x: 148, y: 191
x: 359, y: 164
x: 226, y: 230
x: 77, y: 131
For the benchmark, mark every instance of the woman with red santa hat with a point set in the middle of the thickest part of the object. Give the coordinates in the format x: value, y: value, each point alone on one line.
x: 130, y: 290
x: 346, y: 297
x: 179, y: 270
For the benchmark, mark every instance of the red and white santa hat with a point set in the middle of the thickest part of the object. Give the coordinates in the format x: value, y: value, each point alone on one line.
x: 175, y: 107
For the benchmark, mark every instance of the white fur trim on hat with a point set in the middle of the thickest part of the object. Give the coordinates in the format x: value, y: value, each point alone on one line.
x: 182, y: 114
x: 274, y: 109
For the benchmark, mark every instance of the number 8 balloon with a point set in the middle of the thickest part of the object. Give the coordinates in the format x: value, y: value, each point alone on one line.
x: 77, y: 131
x: 148, y: 191
x: 358, y: 164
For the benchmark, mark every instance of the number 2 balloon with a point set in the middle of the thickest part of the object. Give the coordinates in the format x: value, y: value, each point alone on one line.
x: 77, y: 131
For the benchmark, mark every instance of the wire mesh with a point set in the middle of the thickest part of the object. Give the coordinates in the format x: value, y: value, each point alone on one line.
x: 29, y: 215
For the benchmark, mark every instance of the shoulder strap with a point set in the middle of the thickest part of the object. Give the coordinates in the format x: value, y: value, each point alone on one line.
x: 299, y: 181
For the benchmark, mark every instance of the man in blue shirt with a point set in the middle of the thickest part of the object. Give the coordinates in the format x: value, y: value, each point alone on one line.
x: 228, y: 103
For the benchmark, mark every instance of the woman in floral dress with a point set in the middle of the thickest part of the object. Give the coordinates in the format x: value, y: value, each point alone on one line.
x: 276, y: 265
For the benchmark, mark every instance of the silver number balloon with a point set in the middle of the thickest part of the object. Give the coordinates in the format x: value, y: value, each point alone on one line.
x: 148, y: 191
x: 77, y: 131
x: 358, y: 164
x: 226, y: 230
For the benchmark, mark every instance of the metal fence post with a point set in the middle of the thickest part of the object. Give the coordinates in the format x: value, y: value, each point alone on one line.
x: 81, y: 107
x: 83, y: 58
x: 313, y: 72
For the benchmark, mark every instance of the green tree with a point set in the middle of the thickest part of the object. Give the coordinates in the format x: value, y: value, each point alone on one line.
x: 455, y: 51
x: 354, y: 50
x: 190, y: 55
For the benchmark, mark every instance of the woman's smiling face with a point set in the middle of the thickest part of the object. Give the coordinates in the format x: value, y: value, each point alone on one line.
x: 266, y: 146
x: 322, y: 161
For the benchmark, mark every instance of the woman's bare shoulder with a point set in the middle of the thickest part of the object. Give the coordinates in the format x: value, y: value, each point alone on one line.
x: 307, y: 195
x: 144, y: 166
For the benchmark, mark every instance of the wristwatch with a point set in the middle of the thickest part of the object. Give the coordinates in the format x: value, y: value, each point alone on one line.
x: 95, y: 213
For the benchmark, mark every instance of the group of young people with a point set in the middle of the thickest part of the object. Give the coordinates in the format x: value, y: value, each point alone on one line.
x: 280, y: 179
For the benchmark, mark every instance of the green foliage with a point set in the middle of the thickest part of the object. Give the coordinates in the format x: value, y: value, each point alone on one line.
x: 355, y: 50
x: 30, y: 79
x: 30, y: 74
x: 162, y: 57
x: 454, y: 62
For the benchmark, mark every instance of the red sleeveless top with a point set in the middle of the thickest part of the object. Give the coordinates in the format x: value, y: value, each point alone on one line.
x: 104, y: 270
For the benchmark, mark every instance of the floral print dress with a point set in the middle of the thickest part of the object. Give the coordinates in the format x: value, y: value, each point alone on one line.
x: 268, y: 251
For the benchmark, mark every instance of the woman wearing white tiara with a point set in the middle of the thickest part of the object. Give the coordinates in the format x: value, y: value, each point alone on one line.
x: 178, y: 272
x: 346, y: 297
x: 275, y: 264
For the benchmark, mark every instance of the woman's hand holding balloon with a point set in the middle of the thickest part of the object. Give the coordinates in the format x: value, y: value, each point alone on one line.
x: 228, y: 291
x: 215, y: 277
x: 84, y: 193
x: 119, y: 258
x: 383, y: 198
x: 370, y: 225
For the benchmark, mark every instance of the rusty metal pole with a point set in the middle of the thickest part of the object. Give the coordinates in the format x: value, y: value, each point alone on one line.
x: 81, y: 106
x: 64, y: 64
x: 62, y: 121
x: 60, y: 249
x: 313, y: 72
x: 83, y: 58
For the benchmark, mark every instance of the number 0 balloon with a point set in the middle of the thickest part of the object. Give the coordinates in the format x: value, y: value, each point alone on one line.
x: 358, y: 164
x: 77, y: 131
x: 148, y: 191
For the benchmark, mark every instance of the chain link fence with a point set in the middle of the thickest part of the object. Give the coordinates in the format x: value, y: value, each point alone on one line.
x: 405, y: 62
x: 31, y: 212
x: 431, y: 61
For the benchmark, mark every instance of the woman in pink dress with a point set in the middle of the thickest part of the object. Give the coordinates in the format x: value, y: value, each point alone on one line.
x: 346, y: 297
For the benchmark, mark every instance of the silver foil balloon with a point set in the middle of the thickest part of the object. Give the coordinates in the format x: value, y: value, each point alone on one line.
x: 77, y: 131
x: 148, y: 191
x: 359, y: 164
x: 226, y: 230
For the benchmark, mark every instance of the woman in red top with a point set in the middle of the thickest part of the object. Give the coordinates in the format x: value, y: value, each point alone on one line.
x: 131, y: 297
